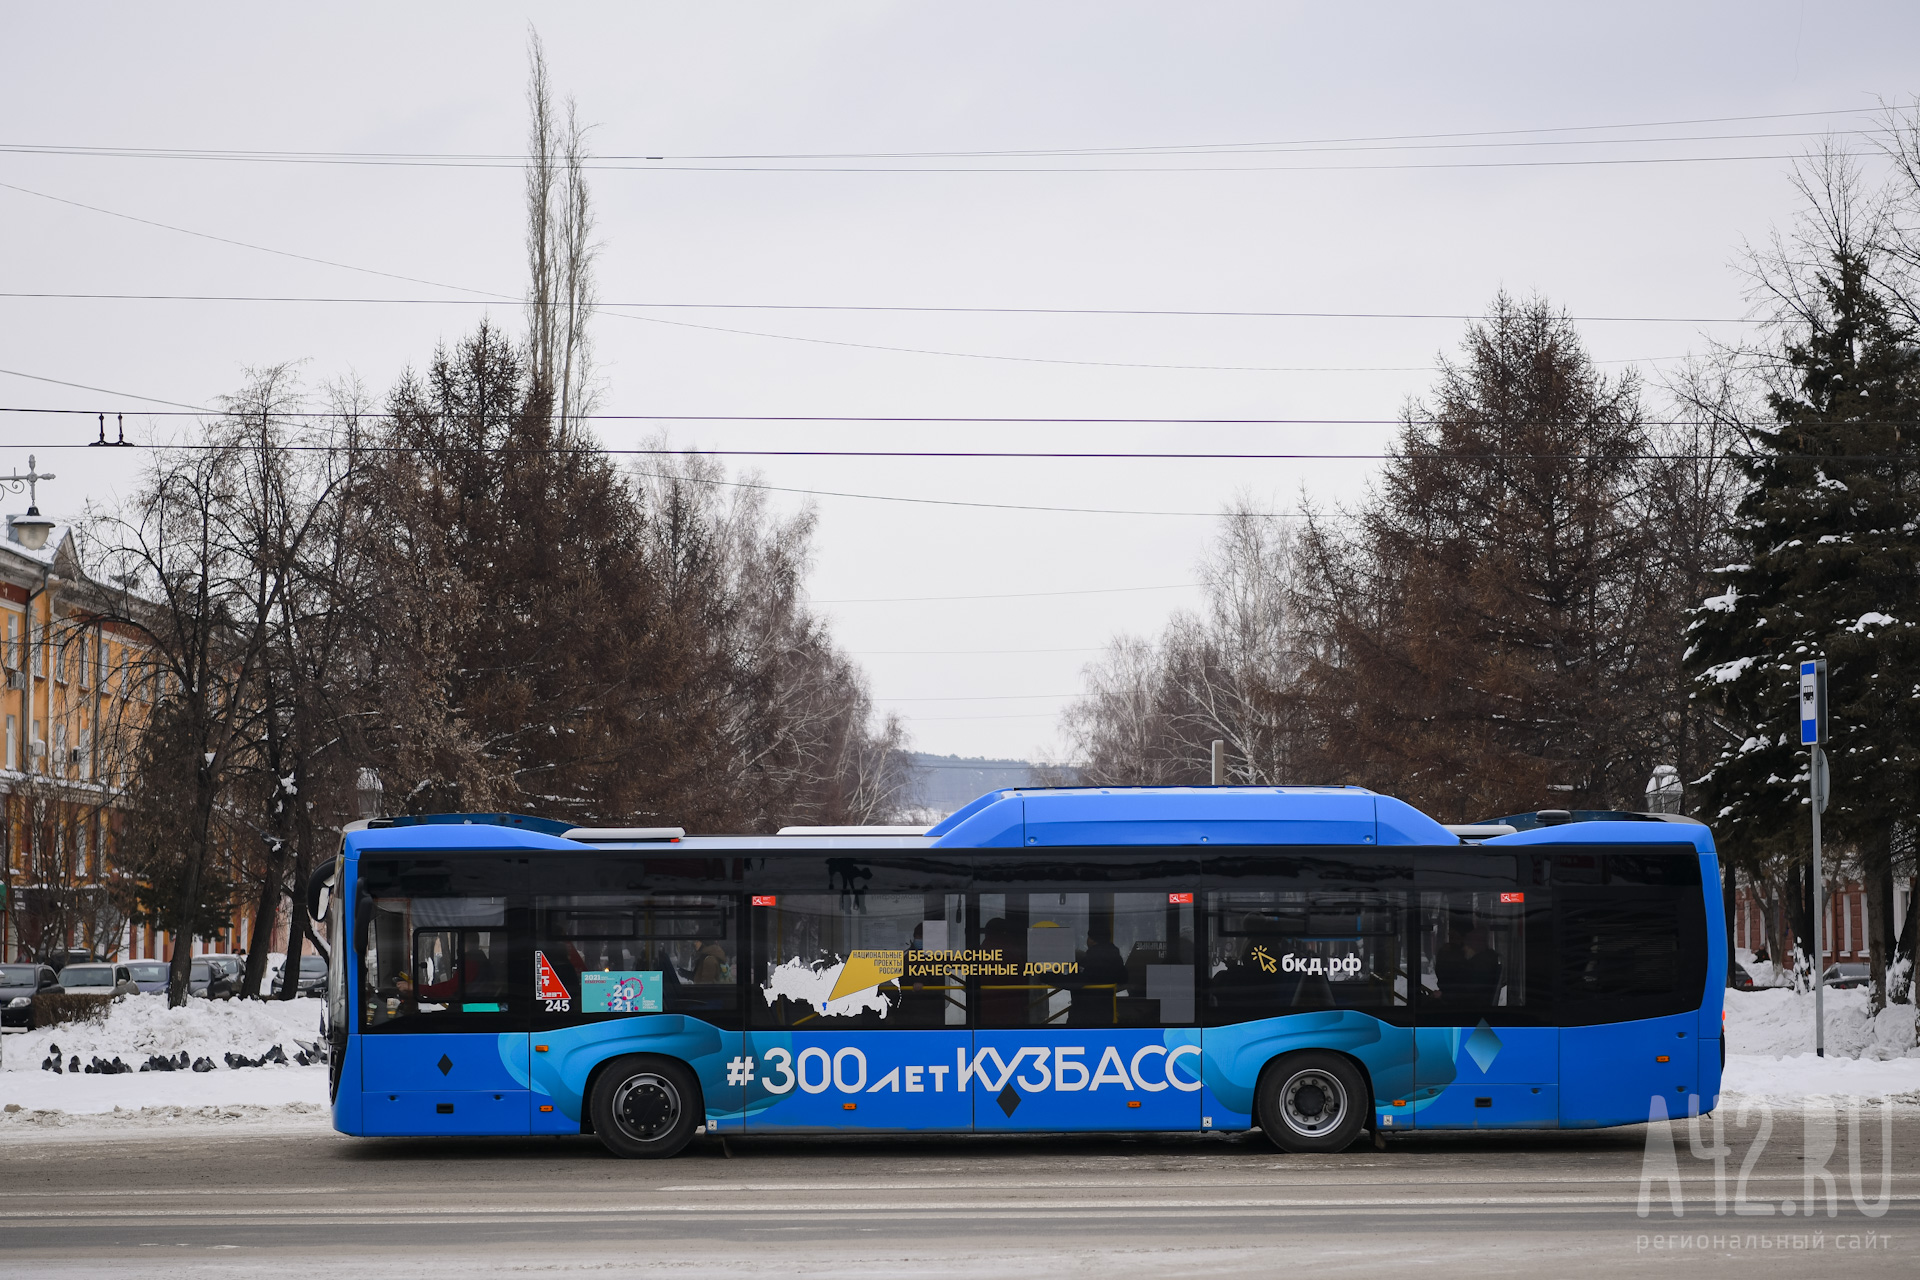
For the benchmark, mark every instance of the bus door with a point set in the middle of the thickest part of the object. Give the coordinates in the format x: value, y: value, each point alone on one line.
x: 857, y: 1010
x: 1086, y: 1016
x: 443, y: 1023
x: 1488, y: 1048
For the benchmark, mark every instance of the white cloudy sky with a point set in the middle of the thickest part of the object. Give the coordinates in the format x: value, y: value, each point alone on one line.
x: 1430, y: 227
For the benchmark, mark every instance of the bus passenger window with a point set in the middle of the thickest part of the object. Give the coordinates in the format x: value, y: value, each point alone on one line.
x: 1290, y: 951
x: 845, y: 960
x: 1621, y: 956
x: 1086, y: 959
x: 1479, y: 950
x: 631, y: 952
x: 433, y: 944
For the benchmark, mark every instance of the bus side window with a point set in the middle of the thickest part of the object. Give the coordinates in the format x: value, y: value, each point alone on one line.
x: 1092, y: 958
x: 858, y: 959
x: 1630, y: 935
x: 1484, y: 949
x: 434, y: 942
x: 1275, y: 952
x: 1619, y: 956
x: 629, y: 951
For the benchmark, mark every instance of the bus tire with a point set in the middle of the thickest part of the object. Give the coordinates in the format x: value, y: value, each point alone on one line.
x: 1312, y: 1101
x: 645, y: 1107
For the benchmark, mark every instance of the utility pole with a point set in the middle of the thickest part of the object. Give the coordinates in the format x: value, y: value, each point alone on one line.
x: 1219, y: 762
x: 1813, y: 731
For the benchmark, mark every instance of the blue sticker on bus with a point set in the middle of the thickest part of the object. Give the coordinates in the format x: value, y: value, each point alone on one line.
x: 621, y: 991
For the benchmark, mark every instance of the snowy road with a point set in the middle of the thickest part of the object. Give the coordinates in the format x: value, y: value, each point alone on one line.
x: 246, y: 1200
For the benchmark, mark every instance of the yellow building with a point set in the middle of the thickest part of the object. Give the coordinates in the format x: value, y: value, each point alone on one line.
x: 73, y: 689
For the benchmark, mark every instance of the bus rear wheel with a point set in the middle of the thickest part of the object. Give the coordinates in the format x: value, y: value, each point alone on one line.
x: 1312, y: 1101
x: 645, y: 1107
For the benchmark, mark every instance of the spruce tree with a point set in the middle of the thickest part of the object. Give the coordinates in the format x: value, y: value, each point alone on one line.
x: 1828, y: 568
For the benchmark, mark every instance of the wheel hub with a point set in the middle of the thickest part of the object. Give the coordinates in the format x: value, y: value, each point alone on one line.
x: 1312, y: 1103
x: 647, y: 1106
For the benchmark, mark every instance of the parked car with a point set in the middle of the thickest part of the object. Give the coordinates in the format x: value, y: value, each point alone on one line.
x: 215, y: 977
x: 313, y: 978
x: 60, y: 959
x: 19, y: 984
x: 149, y: 975
x: 1740, y: 980
x: 1843, y: 976
x: 98, y: 980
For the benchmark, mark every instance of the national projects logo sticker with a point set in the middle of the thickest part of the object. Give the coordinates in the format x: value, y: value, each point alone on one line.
x: 617, y: 991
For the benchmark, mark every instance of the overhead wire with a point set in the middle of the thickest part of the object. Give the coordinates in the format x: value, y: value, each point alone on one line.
x: 608, y: 309
x: 1534, y: 137
x: 1201, y: 313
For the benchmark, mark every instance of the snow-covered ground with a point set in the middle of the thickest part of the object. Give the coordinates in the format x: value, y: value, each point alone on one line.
x: 1779, y: 1022
x: 143, y: 1026
x: 1770, y: 1048
x: 1769, y: 1043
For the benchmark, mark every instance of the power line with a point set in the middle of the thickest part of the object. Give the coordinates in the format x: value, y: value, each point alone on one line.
x: 1200, y: 313
x: 689, y: 324
x: 1030, y: 455
x: 852, y: 419
x: 1062, y: 170
x: 517, y: 159
x: 243, y: 244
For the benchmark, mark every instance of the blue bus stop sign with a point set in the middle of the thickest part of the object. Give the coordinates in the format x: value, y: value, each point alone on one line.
x: 1813, y: 702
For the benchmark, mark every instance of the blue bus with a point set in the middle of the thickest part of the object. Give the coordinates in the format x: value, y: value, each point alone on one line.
x: 1316, y: 961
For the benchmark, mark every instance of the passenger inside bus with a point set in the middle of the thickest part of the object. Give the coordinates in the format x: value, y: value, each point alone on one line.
x: 1095, y: 989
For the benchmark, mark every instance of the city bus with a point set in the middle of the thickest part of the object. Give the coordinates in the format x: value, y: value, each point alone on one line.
x: 1317, y: 962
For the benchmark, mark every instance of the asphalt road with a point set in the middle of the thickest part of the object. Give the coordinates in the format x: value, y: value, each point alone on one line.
x: 242, y: 1201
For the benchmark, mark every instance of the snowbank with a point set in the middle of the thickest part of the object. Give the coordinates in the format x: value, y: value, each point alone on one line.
x: 1789, y: 1081
x: 1779, y: 1022
x: 140, y: 1027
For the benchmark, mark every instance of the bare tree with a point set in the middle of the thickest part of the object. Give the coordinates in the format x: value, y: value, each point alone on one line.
x: 1152, y: 710
x: 205, y: 554
x: 560, y: 247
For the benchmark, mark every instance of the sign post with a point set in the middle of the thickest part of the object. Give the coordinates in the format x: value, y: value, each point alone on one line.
x: 1813, y: 732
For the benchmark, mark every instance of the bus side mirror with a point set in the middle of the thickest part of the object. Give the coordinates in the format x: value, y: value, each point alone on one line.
x: 318, y: 895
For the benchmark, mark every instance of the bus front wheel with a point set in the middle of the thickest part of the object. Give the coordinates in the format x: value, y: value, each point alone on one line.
x: 1312, y: 1101
x: 645, y: 1107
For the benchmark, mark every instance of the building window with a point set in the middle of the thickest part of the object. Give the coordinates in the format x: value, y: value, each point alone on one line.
x: 13, y: 742
x: 13, y: 640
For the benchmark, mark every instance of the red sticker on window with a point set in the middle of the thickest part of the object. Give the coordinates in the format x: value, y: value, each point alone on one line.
x: 546, y: 983
x: 1513, y: 897
x: 1180, y: 899
x: 763, y: 900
